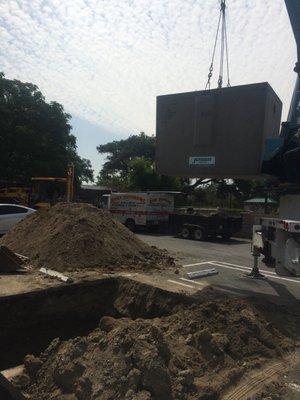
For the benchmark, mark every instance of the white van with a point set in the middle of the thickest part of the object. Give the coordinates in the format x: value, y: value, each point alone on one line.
x: 141, y: 208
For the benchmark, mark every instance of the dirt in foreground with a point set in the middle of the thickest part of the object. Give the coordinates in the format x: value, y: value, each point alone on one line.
x: 196, y: 352
x: 78, y: 236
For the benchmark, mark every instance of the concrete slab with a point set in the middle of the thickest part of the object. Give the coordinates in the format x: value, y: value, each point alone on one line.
x: 233, y: 260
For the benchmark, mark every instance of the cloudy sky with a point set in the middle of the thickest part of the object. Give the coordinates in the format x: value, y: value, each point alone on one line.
x: 107, y: 60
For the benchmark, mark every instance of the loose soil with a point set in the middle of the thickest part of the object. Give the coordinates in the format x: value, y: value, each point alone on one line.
x: 195, y: 352
x: 287, y: 386
x: 78, y: 236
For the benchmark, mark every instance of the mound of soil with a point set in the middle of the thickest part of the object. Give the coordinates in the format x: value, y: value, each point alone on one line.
x: 195, y: 353
x: 78, y: 235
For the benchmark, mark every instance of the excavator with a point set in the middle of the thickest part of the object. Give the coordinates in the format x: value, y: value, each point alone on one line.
x: 14, y: 193
x: 46, y: 189
x: 42, y: 193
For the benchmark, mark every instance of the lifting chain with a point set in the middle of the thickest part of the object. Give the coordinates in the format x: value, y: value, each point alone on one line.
x: 224, y: 49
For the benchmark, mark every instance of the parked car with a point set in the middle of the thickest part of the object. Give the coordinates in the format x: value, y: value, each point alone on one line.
x: 10, y: 214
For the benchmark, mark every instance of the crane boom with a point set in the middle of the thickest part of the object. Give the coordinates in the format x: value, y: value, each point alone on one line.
x: 285, y: 162
x: 293, y: 8
x: 278, y: 239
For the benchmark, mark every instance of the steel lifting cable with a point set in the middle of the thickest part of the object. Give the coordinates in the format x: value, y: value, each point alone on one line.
x: 220, y: 80
x: 211, y: 68
x: 224, y: 49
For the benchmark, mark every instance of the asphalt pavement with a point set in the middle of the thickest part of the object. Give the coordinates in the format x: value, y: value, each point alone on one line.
x: 233, y: 261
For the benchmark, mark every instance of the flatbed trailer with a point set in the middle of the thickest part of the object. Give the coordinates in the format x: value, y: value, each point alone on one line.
x: 202, y: 227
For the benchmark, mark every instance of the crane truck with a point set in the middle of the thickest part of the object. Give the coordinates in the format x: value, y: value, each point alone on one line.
x: 278, y: 239
x: 235, y: 133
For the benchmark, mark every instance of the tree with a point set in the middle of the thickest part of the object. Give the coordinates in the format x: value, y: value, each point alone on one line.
x: 143, y: 176
x: 130, y: 165
x: 35, y: 138
x: 120, y: 153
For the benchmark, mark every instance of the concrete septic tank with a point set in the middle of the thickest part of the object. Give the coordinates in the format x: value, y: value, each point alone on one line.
x: 219, y: 133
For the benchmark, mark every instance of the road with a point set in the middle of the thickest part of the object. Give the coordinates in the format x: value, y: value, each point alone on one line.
x: 232, y: 259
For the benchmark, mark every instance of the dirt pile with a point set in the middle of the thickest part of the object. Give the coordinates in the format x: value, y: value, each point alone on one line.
x: 195, y: 353
x: 78, y: 235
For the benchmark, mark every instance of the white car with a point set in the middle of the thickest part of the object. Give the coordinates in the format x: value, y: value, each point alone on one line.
x: 10, y: 214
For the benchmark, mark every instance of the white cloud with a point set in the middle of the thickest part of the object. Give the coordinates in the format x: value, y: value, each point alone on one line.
x: 106, y: 60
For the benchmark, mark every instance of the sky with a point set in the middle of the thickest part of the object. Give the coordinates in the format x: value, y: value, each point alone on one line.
x: 107, y: 60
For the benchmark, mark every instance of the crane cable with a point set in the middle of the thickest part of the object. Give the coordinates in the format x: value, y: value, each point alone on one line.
x: 224, y: 49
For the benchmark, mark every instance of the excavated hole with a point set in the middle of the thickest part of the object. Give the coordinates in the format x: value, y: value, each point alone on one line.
x: 184, y: 352
x: 30, y: 321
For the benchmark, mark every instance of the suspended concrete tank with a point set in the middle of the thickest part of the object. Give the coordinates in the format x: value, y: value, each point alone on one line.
x: 219, y: 133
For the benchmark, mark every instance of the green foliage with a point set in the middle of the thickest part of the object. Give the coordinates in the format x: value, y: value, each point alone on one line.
x: 130, y: 165
x: 115, y: 182
x: 222, y: 193
x: 35, y: 138
x: 142, y: 176
x: 120, y: 153
x: 245, y: 188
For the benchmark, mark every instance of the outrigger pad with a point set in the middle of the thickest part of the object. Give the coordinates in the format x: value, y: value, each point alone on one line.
x: 203, y: 273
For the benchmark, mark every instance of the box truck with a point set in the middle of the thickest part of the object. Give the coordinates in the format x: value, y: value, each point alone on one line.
x: 141, y: 208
